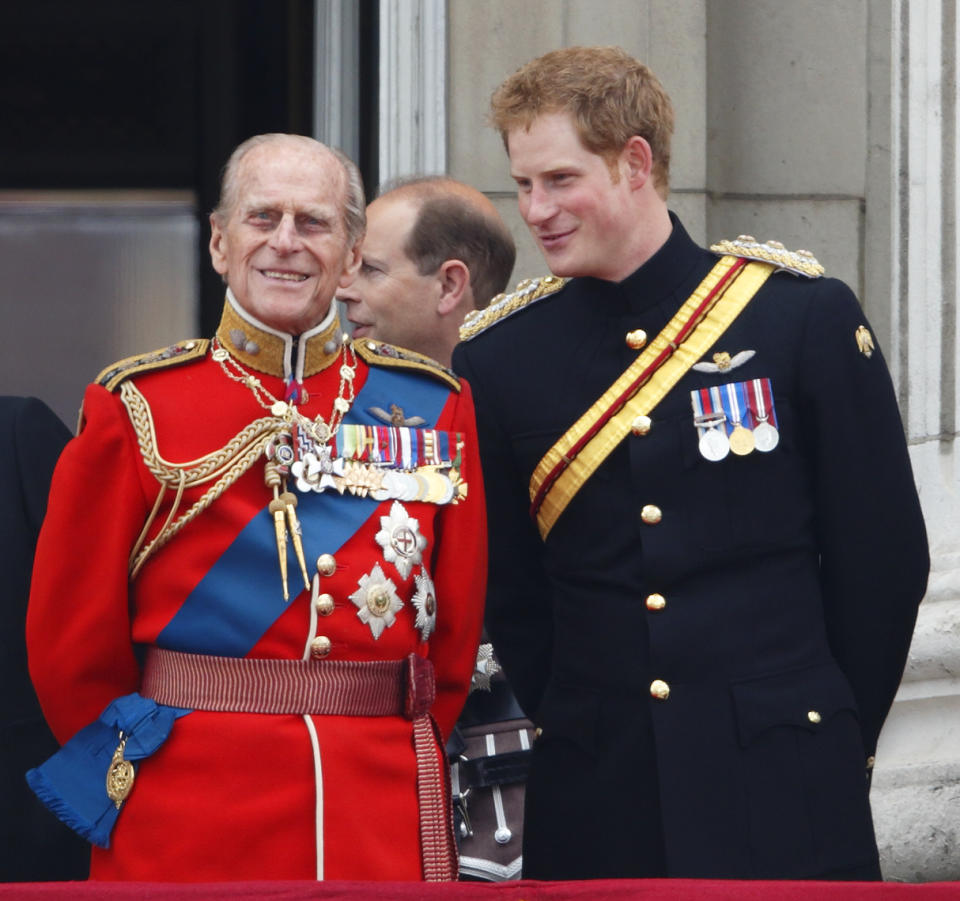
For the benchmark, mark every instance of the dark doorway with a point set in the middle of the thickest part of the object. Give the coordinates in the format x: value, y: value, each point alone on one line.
x: 135, y: 94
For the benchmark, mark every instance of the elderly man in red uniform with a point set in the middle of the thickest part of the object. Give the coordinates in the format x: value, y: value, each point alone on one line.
x: 258, y: 590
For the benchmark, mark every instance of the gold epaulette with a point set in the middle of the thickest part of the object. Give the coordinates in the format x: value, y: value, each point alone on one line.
x: 181, y: 352
x: 504, y: 305
x: 799, y: 262
x: 379, y: 353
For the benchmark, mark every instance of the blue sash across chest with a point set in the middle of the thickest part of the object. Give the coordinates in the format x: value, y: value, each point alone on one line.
x: 239, y: 598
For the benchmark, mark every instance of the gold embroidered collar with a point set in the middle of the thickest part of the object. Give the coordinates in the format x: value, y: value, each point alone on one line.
x: 259, y: 347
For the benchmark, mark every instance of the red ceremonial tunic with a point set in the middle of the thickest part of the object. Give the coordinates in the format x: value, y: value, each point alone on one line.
x: 243, y: 796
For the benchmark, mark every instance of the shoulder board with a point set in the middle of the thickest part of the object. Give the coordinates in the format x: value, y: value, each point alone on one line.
x: 174, y: 355
x: 799, y: 262
x: 379, y: 353
x: 504, y: 305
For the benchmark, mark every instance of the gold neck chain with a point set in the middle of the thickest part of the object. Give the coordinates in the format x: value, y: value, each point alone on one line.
x: 320, y: 430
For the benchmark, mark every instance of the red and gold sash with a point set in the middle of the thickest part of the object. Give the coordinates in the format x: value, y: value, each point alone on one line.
x: 696, y: 326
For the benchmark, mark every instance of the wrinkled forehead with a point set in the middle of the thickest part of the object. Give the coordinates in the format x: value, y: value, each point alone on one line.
x: 305, y: 178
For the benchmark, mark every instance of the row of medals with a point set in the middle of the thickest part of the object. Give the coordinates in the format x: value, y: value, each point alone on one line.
x: 715, y: 444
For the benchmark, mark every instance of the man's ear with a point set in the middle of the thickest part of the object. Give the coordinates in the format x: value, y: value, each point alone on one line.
x: 218, y: 250
x: 454, y: 279
x: 351, y: 265
x: 637, y: 161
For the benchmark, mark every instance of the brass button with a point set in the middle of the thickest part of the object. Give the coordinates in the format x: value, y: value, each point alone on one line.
x: 651, y: 514
x: 641, y: 425
x: 870, y: 762
x: 814, y: 716
x: 656, y: 602
x: 659, y: 690
x: 326, y: 564
x: 320, y: 646
x: 324, y: 604
x: 636, y: 339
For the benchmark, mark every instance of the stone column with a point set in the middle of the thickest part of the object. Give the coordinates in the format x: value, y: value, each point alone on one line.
x: 916, y: 787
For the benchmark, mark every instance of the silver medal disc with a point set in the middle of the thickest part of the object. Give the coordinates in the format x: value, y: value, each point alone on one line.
x: 765, y: 437
x: 714, y: 445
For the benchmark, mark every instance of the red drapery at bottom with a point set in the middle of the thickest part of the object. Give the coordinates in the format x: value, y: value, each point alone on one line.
x: 521, y: 890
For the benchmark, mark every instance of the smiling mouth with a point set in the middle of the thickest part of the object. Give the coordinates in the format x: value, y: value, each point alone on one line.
x: 284, y: 276
x: 554, y: 238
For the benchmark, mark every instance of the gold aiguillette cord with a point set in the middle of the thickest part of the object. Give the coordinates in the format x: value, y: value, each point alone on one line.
x: 284, y: 512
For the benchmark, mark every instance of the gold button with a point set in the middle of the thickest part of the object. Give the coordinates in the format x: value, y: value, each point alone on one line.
x: 320, y: 646
x: 659, y: 689
x: 814, y: 716
x: 651, y: 514
x: 870, y: 762
x: 641, y: 425
x: 636, y: 339
x: 656, y: 602
x: 326, y: 564
x: 324, y: 604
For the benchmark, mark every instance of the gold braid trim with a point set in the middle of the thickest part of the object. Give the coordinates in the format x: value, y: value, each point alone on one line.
x: 799, y: 262
x: 504, y: 305
x: 226, y: 465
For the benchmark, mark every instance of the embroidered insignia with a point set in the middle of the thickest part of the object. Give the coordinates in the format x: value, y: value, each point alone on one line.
x: 181, y: 352
x: 377, y: 601
x: 484, y: 668
x: 798, y: 262
x: 395, y: 416
x: 425, y: 600
x: 242, y: 343
x: 400, y: 538
x: 865, y: 341
x: 504, y: 305
x: 378, y: 353
x: 723, y: 362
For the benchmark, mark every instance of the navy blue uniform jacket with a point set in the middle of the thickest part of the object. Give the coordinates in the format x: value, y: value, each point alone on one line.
x: 791, y: 582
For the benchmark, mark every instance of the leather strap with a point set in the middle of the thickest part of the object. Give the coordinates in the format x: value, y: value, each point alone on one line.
x: 697, y: 325
x: 498, y: 769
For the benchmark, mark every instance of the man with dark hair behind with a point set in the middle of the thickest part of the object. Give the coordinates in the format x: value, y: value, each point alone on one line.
x: 435, y: 250
x: 706, y: 546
